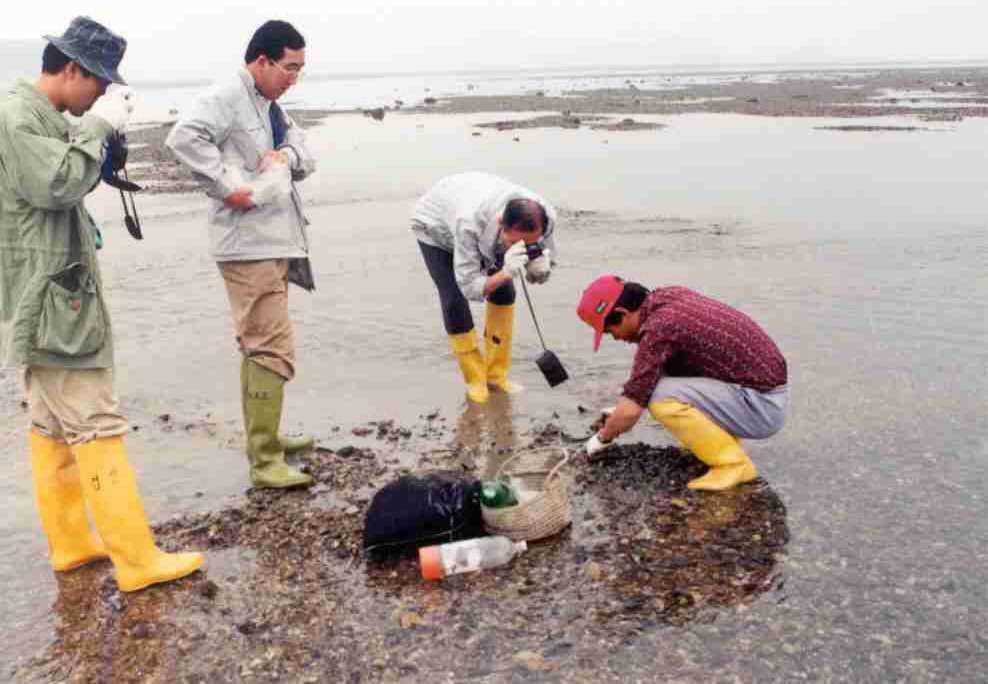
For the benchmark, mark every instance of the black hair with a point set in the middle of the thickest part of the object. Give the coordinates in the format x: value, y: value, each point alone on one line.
x: 271, y: 40
x: 632, y: 297
x: 525, y: 215
x: 54, y: 61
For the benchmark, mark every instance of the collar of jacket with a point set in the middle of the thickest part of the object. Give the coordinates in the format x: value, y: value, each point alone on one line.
x: 259, y: 100
x: 42, y: 105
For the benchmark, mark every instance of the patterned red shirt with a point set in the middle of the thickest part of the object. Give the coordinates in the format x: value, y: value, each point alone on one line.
x: 684, y: 334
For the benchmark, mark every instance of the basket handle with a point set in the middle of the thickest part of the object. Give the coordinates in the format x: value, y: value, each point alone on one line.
x: 552, y: 473
x: 555, y: 471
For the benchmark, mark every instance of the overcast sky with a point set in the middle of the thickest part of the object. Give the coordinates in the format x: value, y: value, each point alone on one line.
x: 190, y: 38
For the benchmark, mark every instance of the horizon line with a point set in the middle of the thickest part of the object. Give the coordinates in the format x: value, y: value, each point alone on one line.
x: 617, y: 70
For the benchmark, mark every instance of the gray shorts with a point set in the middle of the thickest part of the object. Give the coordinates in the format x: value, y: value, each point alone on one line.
x: 742, y: 411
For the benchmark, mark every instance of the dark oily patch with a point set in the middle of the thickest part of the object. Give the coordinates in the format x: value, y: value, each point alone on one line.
x: 628, y: 124
x: 673, y: 227
x: 580, y: 214
x: 288, y: 594
x: 942, y: 117
x: 569, y: 120
x: 871, y: 129
x: 550, y: 121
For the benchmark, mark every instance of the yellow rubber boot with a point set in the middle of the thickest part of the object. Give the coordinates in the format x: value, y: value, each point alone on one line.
x: 498, y: 333
x: 110, y: 490
x: 729, y: 464
x: 471, y: 364
x: 58, y: 493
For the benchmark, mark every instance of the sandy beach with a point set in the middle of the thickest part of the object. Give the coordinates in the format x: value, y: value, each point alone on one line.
x: 860, y: 555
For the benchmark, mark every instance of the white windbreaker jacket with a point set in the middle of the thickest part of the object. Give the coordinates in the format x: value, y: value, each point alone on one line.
x: 460, y: 214
x: 231, y: 124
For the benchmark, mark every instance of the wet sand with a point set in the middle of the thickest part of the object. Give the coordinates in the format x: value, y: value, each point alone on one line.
x: 862, y: 253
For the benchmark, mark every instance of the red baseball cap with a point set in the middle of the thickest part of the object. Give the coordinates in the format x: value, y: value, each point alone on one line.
x: 597, y: 301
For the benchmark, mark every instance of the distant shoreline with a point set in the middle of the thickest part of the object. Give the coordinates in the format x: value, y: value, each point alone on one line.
x: 930, y: 95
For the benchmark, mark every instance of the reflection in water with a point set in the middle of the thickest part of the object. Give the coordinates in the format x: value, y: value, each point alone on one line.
x: 485, y: 432
x: 103, y: 635
x: 77, y: 595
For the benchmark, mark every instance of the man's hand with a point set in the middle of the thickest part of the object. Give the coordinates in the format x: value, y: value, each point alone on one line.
x: 515, y: 259
x: 595, y: 445
x: 619, y: 419
x: 272, y: 157
x: 114, y: 108
x: 239, y: 200
x: 538, y: 270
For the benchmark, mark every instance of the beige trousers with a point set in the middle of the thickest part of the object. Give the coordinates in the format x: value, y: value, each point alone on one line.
x: 73, y: 405
x: 258, y: 293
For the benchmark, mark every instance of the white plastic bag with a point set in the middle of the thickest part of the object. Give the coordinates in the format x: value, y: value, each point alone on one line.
x: 271, y: 186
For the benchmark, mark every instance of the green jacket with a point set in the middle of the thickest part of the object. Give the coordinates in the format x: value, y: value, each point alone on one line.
x: 52, y: 311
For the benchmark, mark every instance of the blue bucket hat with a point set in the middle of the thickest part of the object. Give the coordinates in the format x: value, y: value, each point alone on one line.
x: 97, y: 48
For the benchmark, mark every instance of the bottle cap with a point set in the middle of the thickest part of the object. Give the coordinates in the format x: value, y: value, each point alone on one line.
x: 431, y: 562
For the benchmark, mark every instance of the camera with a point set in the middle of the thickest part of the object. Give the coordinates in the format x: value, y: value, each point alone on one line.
x: 114, y: 173
x: 115, y: 162
x: 534, y: 250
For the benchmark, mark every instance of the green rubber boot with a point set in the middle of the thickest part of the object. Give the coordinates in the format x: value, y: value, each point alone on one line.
x: 263, y: 397
x: 296, y: 445
x: 290, y: 445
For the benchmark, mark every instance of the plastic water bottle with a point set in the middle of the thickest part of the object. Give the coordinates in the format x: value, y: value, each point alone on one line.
x: 467, y: 556
x: 497, y: 494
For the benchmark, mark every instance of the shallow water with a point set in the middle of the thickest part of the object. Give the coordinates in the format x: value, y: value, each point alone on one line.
x: 861, y: 253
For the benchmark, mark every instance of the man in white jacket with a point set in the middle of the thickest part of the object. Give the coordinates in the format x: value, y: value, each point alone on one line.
x: 236, y: 140
x: 476, y: 232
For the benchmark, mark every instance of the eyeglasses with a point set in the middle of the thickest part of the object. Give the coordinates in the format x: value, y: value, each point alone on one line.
x: 292, y: 70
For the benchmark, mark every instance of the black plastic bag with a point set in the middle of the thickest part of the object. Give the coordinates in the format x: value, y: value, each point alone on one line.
x: 421, y: 510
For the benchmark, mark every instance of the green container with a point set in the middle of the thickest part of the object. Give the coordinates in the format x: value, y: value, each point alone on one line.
x: 497, y: 494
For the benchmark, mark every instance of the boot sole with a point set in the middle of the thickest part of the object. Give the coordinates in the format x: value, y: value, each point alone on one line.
x: 169, y: 577
x: 748, y: 476
x: 76, y: 564
x: 291, y: 485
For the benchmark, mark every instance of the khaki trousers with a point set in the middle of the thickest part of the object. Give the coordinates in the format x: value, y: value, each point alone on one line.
x: 258, y: 293
x: 73, y: 405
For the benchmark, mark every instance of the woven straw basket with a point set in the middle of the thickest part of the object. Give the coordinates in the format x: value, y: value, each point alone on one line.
x: 544, y: 515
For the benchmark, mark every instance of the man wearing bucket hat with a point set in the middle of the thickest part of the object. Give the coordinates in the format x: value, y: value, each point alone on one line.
x: 477, y: 232
x: 239, y: 129
x: 703, y: 369
x: 53, y: 317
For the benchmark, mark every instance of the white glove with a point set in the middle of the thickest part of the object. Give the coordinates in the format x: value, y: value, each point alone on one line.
x: 595, y: 445
x: 537, y: 270
x: 515, y: 259
x: 115, y: 107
